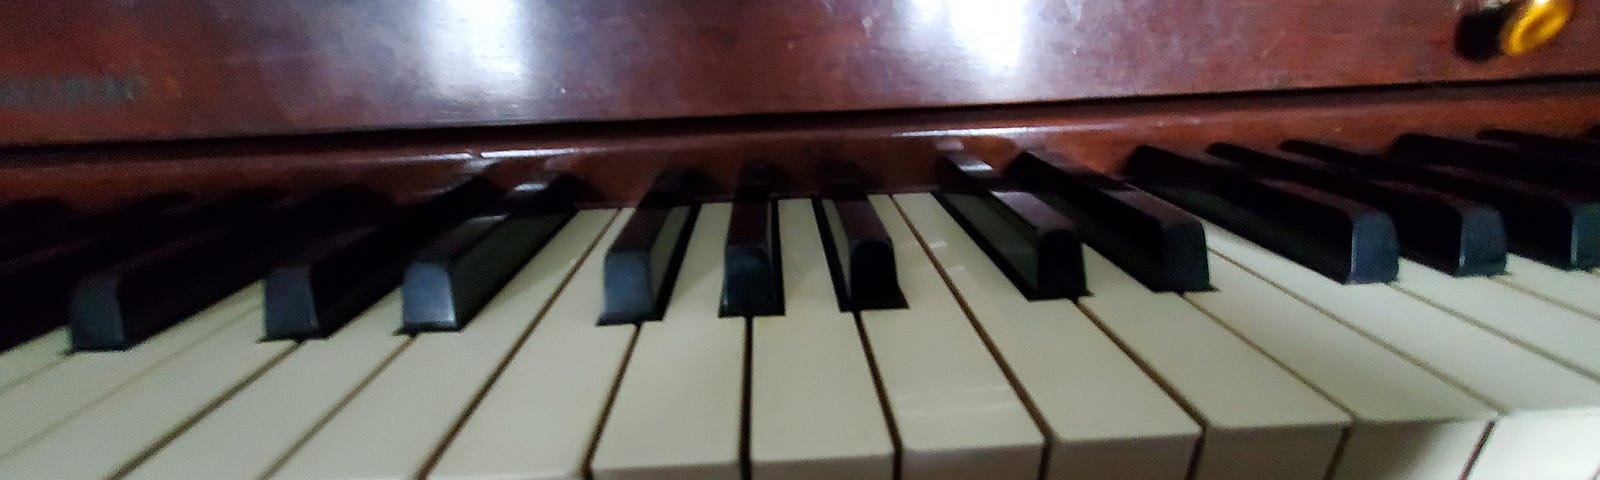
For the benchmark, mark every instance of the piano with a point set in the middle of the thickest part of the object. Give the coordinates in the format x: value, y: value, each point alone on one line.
x: 924, y: 239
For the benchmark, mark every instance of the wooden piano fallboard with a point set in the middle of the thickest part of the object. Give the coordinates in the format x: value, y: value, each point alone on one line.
x: 897, y: 150
x: 85, y: 70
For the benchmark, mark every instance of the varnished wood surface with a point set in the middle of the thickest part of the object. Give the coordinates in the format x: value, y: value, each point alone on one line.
x: 895, y: 151
x: 93, y: 70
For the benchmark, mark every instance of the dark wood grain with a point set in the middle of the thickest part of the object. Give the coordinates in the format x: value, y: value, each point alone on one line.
x: 897, y: 149
x: 88, y: 70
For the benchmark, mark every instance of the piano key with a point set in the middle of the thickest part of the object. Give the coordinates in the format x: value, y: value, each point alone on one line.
x: 751, y: 283
x: 1577, y: 149
x: 1160, y: 245
x: 250, y: 432
x: 25, y: 215
x: 396, y: 424
x: 31, y: 223
x: 1498, y: 159
x: 954, y: 411
x: 641, y: 266
x: 858, y: 249
x: 814, y: 408
x: 122, y: 304
x: 1035, y: 245
x: 1575, y: 290
x: 36, y: 286
x: 1449, y: 233
x: 119, y: 430
x: 448, y: 282
x: 136, y: 212
x: 106, y: 237
x: 1407, y: 423
x: 539, y: 418
x: 1553, y: 226
x: 33, y: 356
x: 176, y: 220
x: 1260, y: 421
x: 1566, y: 336
x: 1343, y: 239
x: 679, y: 406
x: 35, y: 406
x: 1550, y: 415
x: 338, y: 276
x: 1105, y: 418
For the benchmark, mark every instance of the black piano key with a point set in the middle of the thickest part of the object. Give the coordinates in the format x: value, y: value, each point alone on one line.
x: 121, y: 305
x: 1036, y: 246
x: 36, y: 315
x: 859, y: 250
x: 36, y: 285
x: 337, y: 276
x: 1444, y: 231
x: 1551, y: 225
x: 1343, y: 239
x: 23, y: 216
x: 1157, y: 243
x: 449, y: 282
x: 1578, y: 149
x: 752, y: 277
x: 1500, y: 160
x: 141, y: 224
x: 140, y: 211
x: 642, y: 264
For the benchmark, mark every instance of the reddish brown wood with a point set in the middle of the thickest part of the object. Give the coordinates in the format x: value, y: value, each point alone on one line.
x: 95, y: 70
x: 897, y: 149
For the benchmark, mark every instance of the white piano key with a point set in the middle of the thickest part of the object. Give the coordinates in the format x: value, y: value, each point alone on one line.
x: 541, y: 415
x: 1550, y: 423
x: 34, y: 356
x: 814, y: 408
x: 1577, y: 290
x: 245, y: 436
x: 679, y: 406
x: 1260, y: 421
x: 32, y: 407
x: 120, y: 429
x: 956, y: 414
x: 1409, y: 424
x: 1565, y: 335
x: 399, y: 421
x: 1106, y: 418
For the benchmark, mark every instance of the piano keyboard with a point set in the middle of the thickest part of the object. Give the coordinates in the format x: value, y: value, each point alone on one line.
x: 911, y: 336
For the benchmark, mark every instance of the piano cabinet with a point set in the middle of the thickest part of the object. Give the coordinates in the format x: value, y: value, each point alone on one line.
x: 124, y: 124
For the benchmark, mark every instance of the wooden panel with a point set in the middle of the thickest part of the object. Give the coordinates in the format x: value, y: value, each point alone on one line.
x: 897, y: 149
x: 90, y: 70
